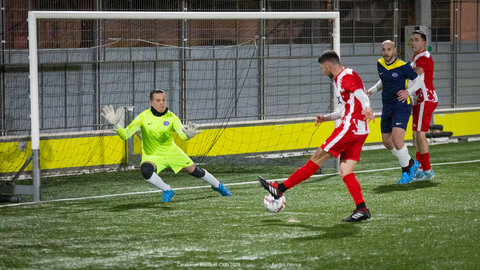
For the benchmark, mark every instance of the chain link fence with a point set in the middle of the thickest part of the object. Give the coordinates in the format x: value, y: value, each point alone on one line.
x: 364, y: 25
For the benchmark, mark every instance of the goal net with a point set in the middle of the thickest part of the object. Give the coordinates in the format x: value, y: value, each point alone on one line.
x: 249, y: 80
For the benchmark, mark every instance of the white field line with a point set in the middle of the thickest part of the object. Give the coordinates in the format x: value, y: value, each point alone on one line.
x: 232, y: 184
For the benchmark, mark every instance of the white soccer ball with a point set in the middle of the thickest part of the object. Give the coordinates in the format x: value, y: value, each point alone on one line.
x: 272, y: 204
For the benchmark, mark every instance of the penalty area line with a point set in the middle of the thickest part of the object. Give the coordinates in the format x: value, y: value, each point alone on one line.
x: 231, y: 184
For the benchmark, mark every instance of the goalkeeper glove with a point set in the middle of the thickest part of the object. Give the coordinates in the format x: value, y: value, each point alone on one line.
x: 190, y: 130
x: 111, y: 116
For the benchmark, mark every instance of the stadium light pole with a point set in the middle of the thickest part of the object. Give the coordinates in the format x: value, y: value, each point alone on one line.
x: 33, y: 16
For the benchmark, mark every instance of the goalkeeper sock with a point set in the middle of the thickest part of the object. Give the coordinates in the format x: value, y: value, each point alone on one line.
x: 425, y: 160
x: 354, y: 188
x: 301, y: 174
x: 211, y: 179
x: 158, y: 182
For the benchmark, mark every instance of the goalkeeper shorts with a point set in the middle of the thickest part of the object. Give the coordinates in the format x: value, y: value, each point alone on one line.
x: 174, y: 158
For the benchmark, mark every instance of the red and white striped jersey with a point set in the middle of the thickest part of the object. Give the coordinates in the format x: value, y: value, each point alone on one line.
x: 346, y: 83
x: 425, y: 61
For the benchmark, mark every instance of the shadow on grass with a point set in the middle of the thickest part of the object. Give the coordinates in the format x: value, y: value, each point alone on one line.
x: 333, y: 232
x: 180, y: 198
x: 134, y: 206
x: 411, y: 186
x: 157, y: 204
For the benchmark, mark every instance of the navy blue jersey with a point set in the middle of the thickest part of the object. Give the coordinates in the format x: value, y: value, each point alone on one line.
x: 394, y: 78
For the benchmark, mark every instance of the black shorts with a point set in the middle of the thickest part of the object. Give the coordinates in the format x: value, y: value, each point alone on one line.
x: 395, y: 115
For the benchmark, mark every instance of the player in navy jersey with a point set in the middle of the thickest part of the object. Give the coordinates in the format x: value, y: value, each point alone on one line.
x: 397, y: 108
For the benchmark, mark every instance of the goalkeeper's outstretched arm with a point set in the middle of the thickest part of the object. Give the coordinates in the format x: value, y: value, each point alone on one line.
x: 177, y: 125
x: 128, y: 132
x: 114, y: 117
x: 187, y: 131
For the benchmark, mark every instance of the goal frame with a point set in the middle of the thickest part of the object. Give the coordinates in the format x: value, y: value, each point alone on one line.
x: 34, y: 16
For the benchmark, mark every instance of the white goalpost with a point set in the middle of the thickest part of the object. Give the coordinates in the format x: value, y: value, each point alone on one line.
x: 35, y: 16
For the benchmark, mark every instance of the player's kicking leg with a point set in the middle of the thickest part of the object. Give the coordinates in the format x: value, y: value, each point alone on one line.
x: 271, y: 187
x: 301, y: 174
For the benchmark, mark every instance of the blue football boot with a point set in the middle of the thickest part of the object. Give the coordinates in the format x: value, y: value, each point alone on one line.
x: 414, y: 169
x: 427, y: 175
x: 405, y: 179
x: 222, y: 190
x: 418, y: 175
x: 408, y: 177
x: 167, y: 195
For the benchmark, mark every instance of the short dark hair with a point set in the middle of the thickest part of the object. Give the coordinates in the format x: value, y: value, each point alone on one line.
x: 422, y: 35
x: 156, y: 91
x: 329, y: 56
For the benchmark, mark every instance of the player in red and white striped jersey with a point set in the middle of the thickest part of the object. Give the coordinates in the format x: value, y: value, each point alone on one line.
x: 425, y: 103
x: 346, y: 140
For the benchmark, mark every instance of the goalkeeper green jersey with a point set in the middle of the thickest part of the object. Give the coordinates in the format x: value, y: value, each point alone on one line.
x: 156, y: 131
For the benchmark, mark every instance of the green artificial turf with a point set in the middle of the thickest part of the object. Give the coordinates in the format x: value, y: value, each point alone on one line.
x: 423, y: 225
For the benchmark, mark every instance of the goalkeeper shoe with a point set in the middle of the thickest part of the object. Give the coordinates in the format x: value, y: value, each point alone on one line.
x: 427, y: 175
x: 271, y: 187
x: 358, y: 215
x: 222, y: 190
x: 167, y: 195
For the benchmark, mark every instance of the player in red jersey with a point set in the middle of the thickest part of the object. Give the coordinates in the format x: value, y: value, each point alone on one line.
x: 346, y: 140
x: 425, y: 102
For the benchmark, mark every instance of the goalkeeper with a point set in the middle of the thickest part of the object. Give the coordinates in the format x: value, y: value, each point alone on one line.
x: 159, y: 151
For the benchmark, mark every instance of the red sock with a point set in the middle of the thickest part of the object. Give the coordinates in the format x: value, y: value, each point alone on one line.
x: 426, y: 161
x: 301, y: 174
x: 354, y: 188
x: 419, y: 159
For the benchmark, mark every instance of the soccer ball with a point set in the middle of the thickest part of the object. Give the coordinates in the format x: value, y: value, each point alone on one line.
x: 272, y: 204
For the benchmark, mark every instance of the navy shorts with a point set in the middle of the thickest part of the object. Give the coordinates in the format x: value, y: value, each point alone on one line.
x: 395, y: 115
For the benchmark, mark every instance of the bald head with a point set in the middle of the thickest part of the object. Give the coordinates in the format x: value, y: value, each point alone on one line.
x: 389, y: 42
x: 389, y: 51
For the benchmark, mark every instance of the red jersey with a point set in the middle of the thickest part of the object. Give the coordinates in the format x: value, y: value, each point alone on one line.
x: 425, y: 61
x: 347, y: 82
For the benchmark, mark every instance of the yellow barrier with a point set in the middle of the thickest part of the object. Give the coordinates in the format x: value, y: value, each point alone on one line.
x: 65, y: 153
x: 461, y: 124
x: 107, y: 150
